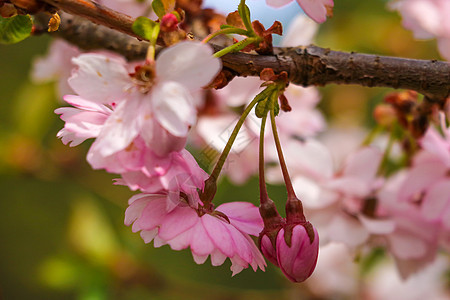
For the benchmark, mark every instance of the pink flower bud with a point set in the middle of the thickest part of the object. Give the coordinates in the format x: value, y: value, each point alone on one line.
x: 169, y: 22
x: 268, y: 250
x: 298, y: 260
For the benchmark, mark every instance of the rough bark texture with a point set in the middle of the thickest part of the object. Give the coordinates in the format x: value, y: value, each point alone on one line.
x: 306, y: 65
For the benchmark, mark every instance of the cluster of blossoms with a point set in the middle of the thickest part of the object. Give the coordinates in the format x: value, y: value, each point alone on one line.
x: 142, y: 114
x: 140, y: 122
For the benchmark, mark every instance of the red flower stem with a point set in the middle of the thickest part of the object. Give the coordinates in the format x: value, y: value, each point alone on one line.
x: 287, y: 179
x: 263, y: 196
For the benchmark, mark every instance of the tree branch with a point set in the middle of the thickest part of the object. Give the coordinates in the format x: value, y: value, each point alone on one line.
x: 306, y: 66
x: 96, y: 13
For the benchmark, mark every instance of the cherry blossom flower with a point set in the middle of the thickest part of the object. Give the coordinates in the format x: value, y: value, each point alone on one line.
x: 427, y: 19
x: 290, y: 243
x: 56, y: 65
x: 176, y: 173
x: 293, y: 38
x: 220, y: 233
x: 318, y: 10
x: 412, y: 246
x: 421, y: 195
x: 83, y: 121
x: 159, y: 106
x: 427, y: 180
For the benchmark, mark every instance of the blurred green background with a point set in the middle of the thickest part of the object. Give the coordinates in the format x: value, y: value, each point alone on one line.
x: 61, y: 223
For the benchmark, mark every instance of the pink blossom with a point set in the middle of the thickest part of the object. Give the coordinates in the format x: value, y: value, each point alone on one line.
x: 298, y: 260
x: 220, y: 233
x: 269, y: 250
x: 86, y: 119
x: 131, y: 7
x: 83, y: 121
x: 56, y: 65
x: 318, y: 10
x: 175, y: 173
x: 427, y: 19
x: 415, y: 240
x: 427, y: 180
x: 301, y: 32
x: 290, y: 243
x: 160, y: 108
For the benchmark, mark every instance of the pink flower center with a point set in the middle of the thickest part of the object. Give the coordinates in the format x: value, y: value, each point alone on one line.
x: 144, y: 77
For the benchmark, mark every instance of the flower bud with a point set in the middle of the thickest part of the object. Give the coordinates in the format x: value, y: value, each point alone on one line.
x: 385, y: 114
x: 297, y: 260
x: 169, y: 22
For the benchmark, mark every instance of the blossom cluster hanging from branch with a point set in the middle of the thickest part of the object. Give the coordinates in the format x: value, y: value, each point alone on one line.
x: 168, y: 72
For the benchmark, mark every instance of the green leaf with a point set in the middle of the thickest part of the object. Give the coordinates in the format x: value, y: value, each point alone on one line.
x: 244, y: 12
x: 261, y: 108
x: 158, y: 8
x: 146, y: 28
x: 15, y: 29
x: 268, y: 100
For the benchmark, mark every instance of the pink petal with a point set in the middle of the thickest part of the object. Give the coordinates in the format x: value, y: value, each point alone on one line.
x: 119, y: 130
x: 83, y: 104
x: 244, y: 216
x: 237, y: 265
x: 134, y: 211
x: 363, y: 164
x: 181, y: 241
x: 177, y: 221
x: 278, y: 3
x: 152, y: 214
x: 219, y: 234
x: 301, y: 32
x: 407, y: 246
x: 201, y: 244
x: 217, y: 258
x: 420, y: 178
x: 435, y: 143
x: 173, y: 108
x: 377, y: 226
x: 148, y: 236
x: 188, y: 63
x: 316, y: 9
x: 199, y: 259
x: 436, y: 200
x: 100, y: 78
x: 347, y: 230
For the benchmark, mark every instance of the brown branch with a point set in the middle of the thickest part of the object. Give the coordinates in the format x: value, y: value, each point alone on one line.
x: 96, y: 13
x: 306, y: 66
x: 318, y: 66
